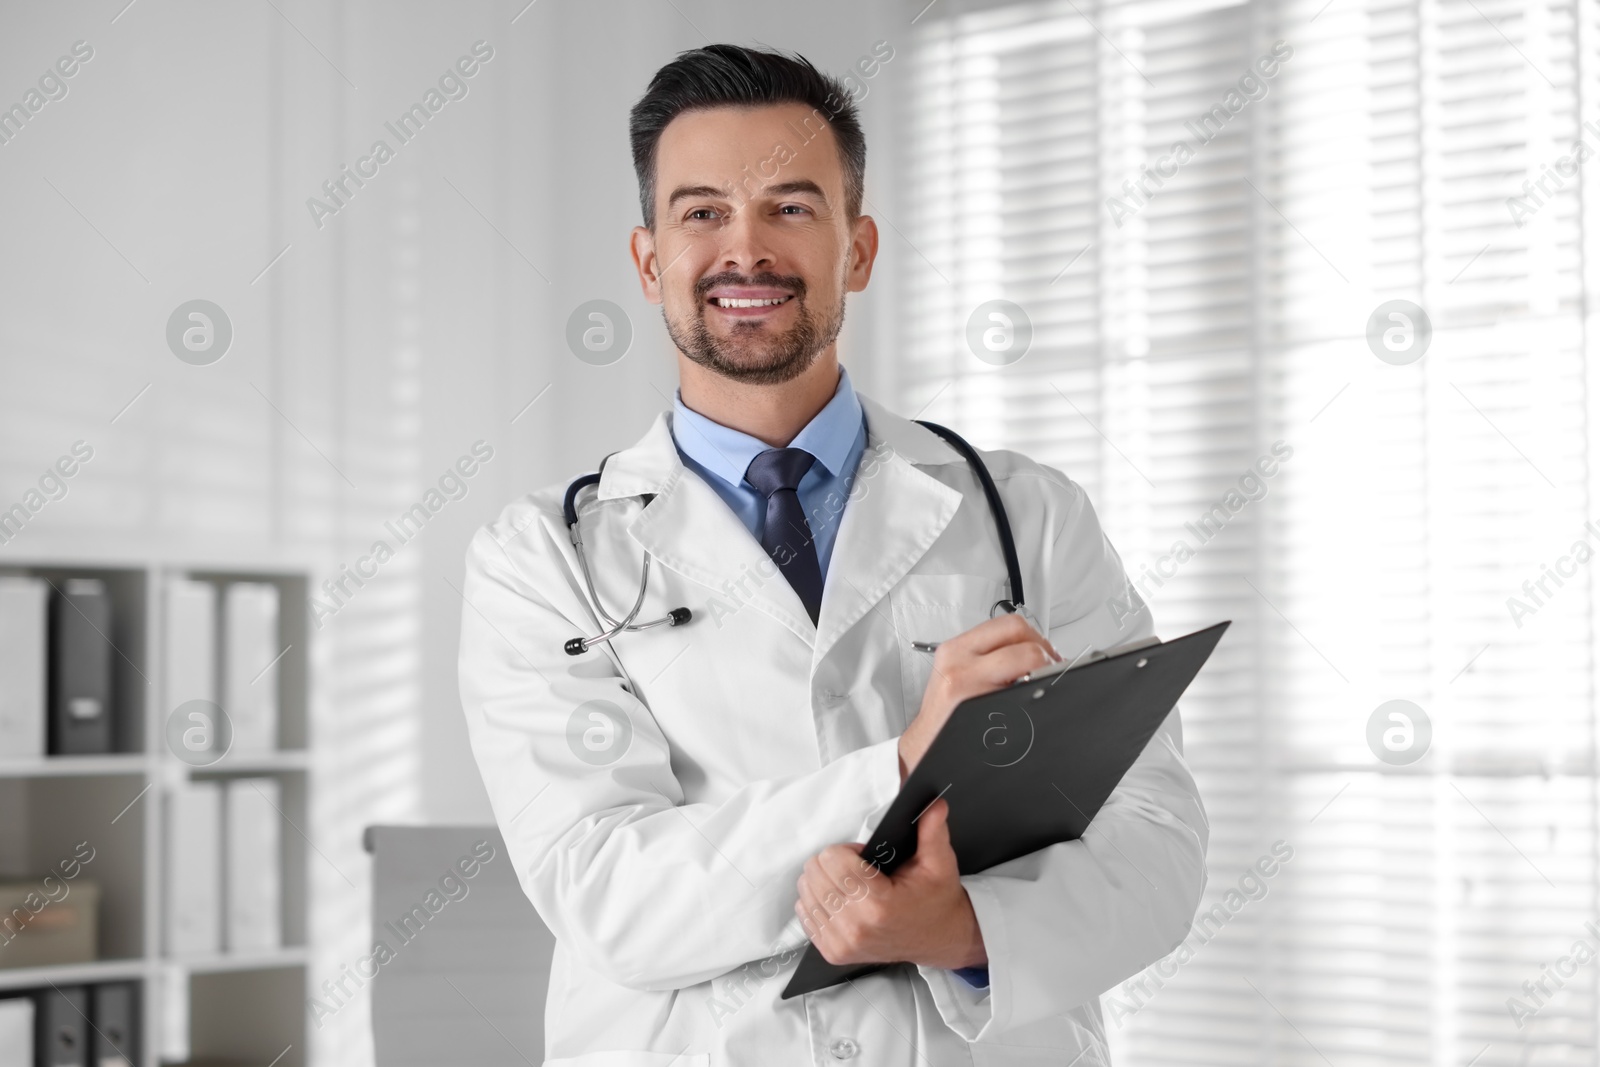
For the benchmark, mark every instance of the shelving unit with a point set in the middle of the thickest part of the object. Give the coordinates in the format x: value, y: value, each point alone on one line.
x: 248, y: 1008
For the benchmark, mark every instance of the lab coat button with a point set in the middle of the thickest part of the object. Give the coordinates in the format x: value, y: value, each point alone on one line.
x: 843, y: 1048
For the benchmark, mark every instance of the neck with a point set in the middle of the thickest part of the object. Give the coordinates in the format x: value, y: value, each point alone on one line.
x: 772, y: 414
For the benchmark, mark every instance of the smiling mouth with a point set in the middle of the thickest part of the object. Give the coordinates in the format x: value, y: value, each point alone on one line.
x: 743, y: 302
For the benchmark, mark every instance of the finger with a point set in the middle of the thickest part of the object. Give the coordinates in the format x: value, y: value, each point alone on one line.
x: 934, y: 851
x: 847, y: 872
x: 1005, y: 665
x: 991, y: 634
x: 813, y: 916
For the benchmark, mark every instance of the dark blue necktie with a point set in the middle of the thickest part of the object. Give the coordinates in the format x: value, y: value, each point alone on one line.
x: 786, y: 535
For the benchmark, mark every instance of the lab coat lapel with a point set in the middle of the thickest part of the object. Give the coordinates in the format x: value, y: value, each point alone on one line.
x: 894, y: 513
x: 691, y: 530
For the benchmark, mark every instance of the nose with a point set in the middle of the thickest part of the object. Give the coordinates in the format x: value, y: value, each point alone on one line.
x: 746, y: 242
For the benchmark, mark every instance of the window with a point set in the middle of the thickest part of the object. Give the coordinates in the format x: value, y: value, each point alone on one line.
x: 1200, y: 323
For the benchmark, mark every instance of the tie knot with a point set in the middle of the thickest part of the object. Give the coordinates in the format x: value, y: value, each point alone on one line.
x: 778, y: 468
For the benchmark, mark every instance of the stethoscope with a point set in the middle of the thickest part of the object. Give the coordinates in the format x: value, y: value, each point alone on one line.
x: 678, y: 616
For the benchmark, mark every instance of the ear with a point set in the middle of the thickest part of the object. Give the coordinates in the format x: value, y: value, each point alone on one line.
x: 863, y: 253
x: 642, y: 243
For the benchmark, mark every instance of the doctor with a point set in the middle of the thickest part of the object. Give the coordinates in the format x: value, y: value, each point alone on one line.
x: 683, y: 803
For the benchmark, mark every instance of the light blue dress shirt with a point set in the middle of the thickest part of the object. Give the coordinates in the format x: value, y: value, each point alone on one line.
x: 836, y: 436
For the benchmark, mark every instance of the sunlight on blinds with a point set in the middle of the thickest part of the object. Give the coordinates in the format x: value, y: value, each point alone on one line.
x: 1204, y: 210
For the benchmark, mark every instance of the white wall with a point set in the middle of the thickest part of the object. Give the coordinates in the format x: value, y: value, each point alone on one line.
x: 418, y: 319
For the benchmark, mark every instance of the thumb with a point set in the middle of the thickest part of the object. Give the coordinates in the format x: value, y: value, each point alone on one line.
x: 935, y: 855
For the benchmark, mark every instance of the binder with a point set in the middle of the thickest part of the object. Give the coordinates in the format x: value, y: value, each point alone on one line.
x: 253, y: 879
x: 114, y: 1038
x: 61, y: 1027
x: 16, y: 1032
x: 24, y: 678
x: 194, y: 869
x: 249, y: 669
x: 191, y: 653
x: 80, y: 668
x: 1028, y: 766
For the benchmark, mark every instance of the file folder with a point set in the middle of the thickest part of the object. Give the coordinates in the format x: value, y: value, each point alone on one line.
x: 61, y: 1027
x: 24, y: 680
x: 80, y: 668
x: 114, y: 1040
x: 194, y: 869
x: 16, y: 1032
x: 1028, y: 766
x: 250, y: 664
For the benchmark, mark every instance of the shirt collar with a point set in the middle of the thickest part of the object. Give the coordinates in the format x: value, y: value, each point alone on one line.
x: 727, y: 452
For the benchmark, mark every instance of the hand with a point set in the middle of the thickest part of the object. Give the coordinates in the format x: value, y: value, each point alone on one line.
x: 987, y: 657
x: 854, y: 913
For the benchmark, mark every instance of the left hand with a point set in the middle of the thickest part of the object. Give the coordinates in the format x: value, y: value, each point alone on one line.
x: 854, y: 913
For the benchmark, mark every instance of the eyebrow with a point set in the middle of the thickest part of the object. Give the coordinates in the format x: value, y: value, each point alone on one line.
x: 802, y: 185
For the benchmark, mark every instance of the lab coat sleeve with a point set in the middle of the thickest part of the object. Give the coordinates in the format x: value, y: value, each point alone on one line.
x: 648, y: 891
x: 1065, y: 923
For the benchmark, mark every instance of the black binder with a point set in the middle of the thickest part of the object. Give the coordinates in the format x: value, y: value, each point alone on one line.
x: 115, y: 1038
x: 61, y: 1027
x: 80, y: 668
x: 1028, y: 766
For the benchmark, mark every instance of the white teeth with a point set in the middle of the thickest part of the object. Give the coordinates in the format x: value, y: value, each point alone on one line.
x: 729, y: 302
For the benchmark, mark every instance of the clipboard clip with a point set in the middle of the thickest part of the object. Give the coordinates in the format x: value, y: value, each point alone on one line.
x: 1093, y: 657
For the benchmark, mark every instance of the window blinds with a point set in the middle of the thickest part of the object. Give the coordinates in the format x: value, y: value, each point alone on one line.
x: 1204, y: 321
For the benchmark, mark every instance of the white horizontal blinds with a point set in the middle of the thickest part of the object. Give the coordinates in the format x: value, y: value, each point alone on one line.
x: 1001, y: 160
x: 1424, y: 496
x: 1140, y: 384
x: 1229, y: 312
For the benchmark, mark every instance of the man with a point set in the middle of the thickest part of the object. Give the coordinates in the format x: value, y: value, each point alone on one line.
x: 684, y: 806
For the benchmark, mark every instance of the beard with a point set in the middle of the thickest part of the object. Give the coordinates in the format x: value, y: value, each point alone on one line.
x: 752, y: 353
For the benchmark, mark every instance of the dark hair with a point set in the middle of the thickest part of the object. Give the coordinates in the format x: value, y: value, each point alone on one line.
x: 728, y: 75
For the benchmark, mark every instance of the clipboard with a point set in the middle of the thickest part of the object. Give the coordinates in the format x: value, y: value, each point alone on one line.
x: 1030, y: 765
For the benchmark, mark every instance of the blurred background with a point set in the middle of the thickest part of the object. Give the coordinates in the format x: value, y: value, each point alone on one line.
x: 1299, y: 291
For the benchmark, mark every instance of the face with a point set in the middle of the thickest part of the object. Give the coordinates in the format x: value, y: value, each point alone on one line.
x: 752, y: 253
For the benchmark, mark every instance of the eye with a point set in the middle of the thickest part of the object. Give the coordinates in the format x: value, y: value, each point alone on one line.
x: 796, y: 207
x: 701, y: 214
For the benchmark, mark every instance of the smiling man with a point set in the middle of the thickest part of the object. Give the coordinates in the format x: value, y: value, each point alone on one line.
x: 684, y: 804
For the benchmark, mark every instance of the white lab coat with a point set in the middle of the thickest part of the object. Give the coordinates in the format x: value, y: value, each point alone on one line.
x: 661, y: 841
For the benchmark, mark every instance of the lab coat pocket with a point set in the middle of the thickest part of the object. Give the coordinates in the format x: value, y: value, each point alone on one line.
x: 936, y: 607
x: 633, y: 1059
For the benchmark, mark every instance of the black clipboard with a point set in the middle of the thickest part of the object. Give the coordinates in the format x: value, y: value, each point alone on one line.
x: 1029, y: 766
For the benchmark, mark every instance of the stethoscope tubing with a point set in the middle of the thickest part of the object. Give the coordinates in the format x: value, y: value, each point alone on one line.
x: 678, y: 616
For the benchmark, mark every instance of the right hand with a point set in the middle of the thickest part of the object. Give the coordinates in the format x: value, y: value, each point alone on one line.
x: 987, y: 657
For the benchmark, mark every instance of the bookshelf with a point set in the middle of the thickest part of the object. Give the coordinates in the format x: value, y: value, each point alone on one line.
x: 242, y: 1008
